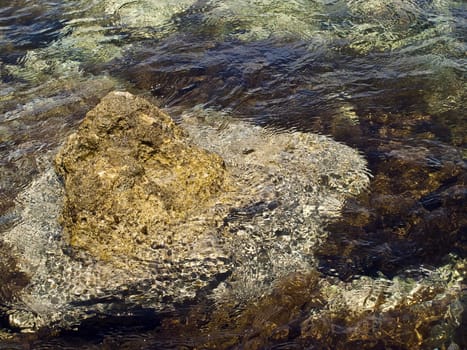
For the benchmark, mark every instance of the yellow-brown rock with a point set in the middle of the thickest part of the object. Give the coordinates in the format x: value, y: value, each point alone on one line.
x: 134, y: 182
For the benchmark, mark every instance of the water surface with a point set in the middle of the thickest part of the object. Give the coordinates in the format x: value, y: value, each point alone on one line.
x: 385, y: 77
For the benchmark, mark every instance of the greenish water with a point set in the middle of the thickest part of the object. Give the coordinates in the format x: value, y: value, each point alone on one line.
x: 385, y: 77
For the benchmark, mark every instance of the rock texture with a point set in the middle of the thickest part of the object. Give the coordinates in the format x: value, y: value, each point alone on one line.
x: 137, y: 188
x: 309, y: 311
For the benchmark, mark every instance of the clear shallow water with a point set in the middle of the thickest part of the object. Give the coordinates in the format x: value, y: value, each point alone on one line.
x: 385, y: 77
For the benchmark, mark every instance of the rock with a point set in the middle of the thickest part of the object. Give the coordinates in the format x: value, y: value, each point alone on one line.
x: 137, y: 188
x: 308, y: 310
x: 400, y: 222
x: 212, y: 211
x: 155, y: 215
x: 419, y: 314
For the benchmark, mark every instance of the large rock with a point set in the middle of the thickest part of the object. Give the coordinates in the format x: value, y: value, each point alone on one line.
x: 155, y: 215
x: 137, y: 188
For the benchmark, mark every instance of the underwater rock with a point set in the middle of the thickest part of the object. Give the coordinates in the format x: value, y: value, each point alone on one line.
x: 247, y: 21
x: 238, y: 241
x: 363, y: 25
x: 419, y: 309
x: 387, y: 25
x: 146, y: 14
x: 400, y: 222
x: 155, y: 216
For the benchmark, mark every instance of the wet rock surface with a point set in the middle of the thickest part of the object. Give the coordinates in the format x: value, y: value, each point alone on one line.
x: 251, y: 257
x: 414, y: 212
x: 309, y: 311
x: 30, y: 127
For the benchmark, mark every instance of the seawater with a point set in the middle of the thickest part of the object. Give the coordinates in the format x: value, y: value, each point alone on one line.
x: 384, y: 77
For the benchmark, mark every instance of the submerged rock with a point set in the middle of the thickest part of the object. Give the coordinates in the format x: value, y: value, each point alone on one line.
x: 155, y: 215
x: 307, y: 311
x: 214, y: 212
x: 400, y: 222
